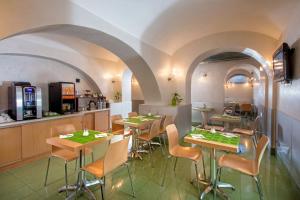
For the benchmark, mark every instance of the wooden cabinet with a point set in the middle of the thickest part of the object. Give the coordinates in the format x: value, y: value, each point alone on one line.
x: 89, y: 121
x: 28, y: 141
x: 10, y: 145
x: 102, y: 121
x: 34, y: 137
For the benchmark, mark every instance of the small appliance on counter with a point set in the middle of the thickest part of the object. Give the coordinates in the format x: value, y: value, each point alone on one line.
x: 25, y: 101
x: 62, y: 98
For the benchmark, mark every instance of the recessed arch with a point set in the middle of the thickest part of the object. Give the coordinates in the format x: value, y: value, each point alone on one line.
x: 127, y: 54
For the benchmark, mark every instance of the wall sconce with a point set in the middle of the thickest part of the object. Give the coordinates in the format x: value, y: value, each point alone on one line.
x: 172, y: 74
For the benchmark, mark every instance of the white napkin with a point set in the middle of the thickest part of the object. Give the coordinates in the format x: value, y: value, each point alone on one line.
x: 100, y: 135
x: 66, y: 135
x: 197, y: 136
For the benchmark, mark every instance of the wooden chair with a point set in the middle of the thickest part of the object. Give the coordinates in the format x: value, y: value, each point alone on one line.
x: 177, y: 151
x: 166, y: 120
x: 132, y: 114
x: 250, y: 132
x: 245, y: 166
x: 115, y: 156
x: 148, y: 136
x: 63, y: 154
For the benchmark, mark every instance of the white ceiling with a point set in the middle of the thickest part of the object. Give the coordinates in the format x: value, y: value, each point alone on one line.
x: 170, y: 24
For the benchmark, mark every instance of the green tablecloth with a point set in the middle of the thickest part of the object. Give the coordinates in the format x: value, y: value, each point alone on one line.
x: 216, y: 137
x: 78, y: 137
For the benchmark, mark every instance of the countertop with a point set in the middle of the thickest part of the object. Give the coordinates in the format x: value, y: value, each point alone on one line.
x: 18, y: 123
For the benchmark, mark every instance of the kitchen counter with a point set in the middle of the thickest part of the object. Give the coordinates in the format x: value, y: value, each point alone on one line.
x: 18, y: 123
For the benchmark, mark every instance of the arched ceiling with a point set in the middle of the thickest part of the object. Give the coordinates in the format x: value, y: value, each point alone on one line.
x: 69, y: 43
x: 170, y: 24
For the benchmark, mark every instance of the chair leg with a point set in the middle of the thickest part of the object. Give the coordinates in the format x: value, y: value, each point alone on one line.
x: 47, y: 171
x: 165, y: 144
x: 77, y: 184
x: 166, y: 167
x: 204, y: 172
x: 254, y: 141
x: 197, y: 177
x: 175, y: 164
x: 130, y: 180
x: 161, y: 145
x: 66, y: 177
x: 102, y: 194
x: 76, y: 164
x: 258, y: 184
x: 219, y: 175
x: 150, y: 152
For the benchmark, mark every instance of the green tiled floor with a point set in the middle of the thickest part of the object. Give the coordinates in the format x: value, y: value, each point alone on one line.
x: 26, y: 182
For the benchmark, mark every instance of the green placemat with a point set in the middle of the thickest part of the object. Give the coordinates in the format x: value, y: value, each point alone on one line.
x: 78, y: 137
x: 216, y: 137
x: 136, y: 120
x: 228, y: 117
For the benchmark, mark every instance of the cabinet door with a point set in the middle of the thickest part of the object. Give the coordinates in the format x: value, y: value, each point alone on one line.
x: 102, y: 121
x: 89, y: 121
x: 34, y: 139
x: 10, y: 145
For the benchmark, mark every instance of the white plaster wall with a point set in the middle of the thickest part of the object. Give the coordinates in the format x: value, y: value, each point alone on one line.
x: 137, y: 93
x: 38, y: 72
x: 210, y: 90
x: 242, y: 93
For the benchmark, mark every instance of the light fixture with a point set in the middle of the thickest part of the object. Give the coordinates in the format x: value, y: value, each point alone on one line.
x: 172, y: 74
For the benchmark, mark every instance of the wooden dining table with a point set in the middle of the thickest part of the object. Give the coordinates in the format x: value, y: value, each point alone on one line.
x: 204, y: 113
x: 78, y: 143
x: 226, y: 119
x: 137, y: 123
x: 214, y: 141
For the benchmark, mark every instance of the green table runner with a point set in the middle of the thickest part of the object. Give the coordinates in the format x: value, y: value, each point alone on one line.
x: 78, y: 137
x: 216, y: 137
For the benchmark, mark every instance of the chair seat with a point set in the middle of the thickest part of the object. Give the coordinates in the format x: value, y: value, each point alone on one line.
x: 243, y: 131
x: 144, y: 136
x: 96, y: 168
x: 238, y: 163
x: 192, y: 153
x: 118, y: 132
x: 64, y: 154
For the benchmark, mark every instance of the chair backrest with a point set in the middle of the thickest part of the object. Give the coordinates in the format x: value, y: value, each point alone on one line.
x: 116, y: 127
x: 260, y: 149
x: 132, y: 114
x: 246, y: 107
x: 63, y: 129
x: 168, y: 120
x: 172, y: 133
x: 256, y: 124
x: 116, y: 155
x: 155, y: 128
x: 162, y: 121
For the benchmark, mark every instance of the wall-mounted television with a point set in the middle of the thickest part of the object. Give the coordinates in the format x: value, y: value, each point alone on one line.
x: 282, y: 65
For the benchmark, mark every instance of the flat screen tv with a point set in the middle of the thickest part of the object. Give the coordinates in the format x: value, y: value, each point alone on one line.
x: 282, y: 66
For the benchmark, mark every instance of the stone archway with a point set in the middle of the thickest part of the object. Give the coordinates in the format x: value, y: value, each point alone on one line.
x: 126, y: 53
